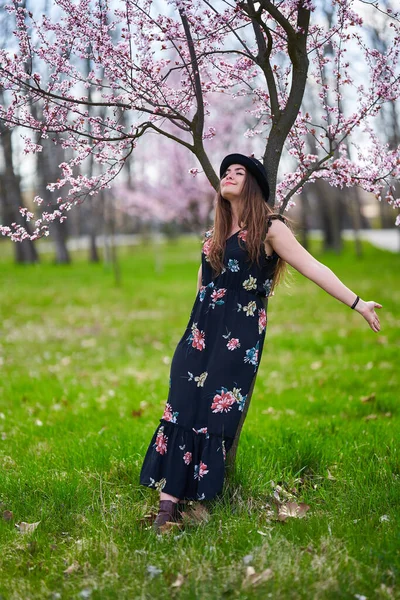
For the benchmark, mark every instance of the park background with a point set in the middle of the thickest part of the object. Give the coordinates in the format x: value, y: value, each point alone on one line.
x: 90, y: 317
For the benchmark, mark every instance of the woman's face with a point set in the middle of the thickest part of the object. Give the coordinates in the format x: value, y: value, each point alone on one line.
x: 232, y: 182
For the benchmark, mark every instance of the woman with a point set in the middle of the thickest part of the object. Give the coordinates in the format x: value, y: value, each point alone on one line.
x: 216, y: 361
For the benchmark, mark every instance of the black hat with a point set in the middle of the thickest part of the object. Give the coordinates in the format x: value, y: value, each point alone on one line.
x: 253, y: 165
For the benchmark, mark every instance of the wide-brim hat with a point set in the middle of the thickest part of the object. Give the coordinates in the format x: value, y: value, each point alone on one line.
x: 254, y: 166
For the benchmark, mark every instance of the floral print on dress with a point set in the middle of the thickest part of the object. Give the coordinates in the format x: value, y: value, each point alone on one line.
x: 159, y: 485
x: 250, y: 283
x: 267, y: 286
x: 169, y: 415
x: 233, y: 265
x: 161, y: 441
x: 202, y: 430
x: 243, y: 235
x: 223, y: 401
x: 187, y: 457
x: 199, y: 379
x: 240, y: 399
x: 262, y: 320
x: 200, y: 470
x: 250, y: 309
x: 216, y: 297
x: 203, y: 289
x: 233, y: 344
x: 252, y: 356
x: 202, y: 292
x: 207, y: 244
x: 197, y: 338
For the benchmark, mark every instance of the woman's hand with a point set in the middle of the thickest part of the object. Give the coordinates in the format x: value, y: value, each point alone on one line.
x: 367, y: 310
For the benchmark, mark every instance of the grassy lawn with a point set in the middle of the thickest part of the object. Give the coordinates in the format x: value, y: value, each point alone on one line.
x: 84, y: 369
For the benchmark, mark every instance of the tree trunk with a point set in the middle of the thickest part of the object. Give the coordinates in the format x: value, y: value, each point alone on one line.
x: 47, y: 163
x: 304, y: 220
x: 331, y: 210
x: 110, y: 249
x: 356, y: 219
x: 11, y: 199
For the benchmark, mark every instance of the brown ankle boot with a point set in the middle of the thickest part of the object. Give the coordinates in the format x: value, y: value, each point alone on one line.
x: 168, y: 511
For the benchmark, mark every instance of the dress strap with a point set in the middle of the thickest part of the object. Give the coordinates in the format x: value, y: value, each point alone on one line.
x: 275, y: 216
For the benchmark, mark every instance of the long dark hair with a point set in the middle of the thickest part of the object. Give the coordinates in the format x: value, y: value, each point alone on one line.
x: 254, y: 215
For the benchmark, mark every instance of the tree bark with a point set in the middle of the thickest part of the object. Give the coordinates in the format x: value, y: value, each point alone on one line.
x: 47, y: 163
x: 11, y: 198
x: 304, y: 220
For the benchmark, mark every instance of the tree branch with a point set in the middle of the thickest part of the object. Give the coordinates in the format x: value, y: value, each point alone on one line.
x: 303, y: 180
x: 198, y: 119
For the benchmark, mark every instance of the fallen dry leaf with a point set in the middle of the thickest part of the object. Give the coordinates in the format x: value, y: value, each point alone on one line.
x: 137, y: 413
x: 178, y: 581
x: 292, y: 509
x: 330, y: 476
x: 72, y: 568
x: 252, y: 578
x: 169, y: 526
x: 26, y: 527
x: 7, y: 515
x: 196, y: 513
x: 369, y: 398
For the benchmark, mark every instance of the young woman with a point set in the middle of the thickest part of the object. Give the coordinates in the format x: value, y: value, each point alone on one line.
x: 216, y: 361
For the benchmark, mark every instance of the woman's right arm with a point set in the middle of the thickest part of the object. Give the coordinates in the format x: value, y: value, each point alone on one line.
x: 199, y: 279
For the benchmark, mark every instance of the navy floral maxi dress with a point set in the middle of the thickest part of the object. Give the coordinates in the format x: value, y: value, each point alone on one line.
x: 212, y: 372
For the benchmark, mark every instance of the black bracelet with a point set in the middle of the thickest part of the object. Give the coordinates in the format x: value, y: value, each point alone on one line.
x: 355, y: 302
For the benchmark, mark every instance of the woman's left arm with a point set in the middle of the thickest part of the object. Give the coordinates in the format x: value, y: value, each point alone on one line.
x: 289, y: 249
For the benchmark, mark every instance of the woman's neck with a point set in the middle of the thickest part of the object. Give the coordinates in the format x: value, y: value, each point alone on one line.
x: 235, y: 216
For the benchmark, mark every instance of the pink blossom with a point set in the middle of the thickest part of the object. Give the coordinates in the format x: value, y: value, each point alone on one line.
x: 143, y: 79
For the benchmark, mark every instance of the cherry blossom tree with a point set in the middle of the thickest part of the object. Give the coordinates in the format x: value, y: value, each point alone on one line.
x: 156, y: 67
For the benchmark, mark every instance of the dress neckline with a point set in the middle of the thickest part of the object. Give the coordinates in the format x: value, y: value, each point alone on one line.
x: 233, y: 234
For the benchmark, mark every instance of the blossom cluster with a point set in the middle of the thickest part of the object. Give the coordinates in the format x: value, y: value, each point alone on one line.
x: 103, y: 76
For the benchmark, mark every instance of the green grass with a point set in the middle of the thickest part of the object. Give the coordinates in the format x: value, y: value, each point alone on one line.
x: 78, y: 355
